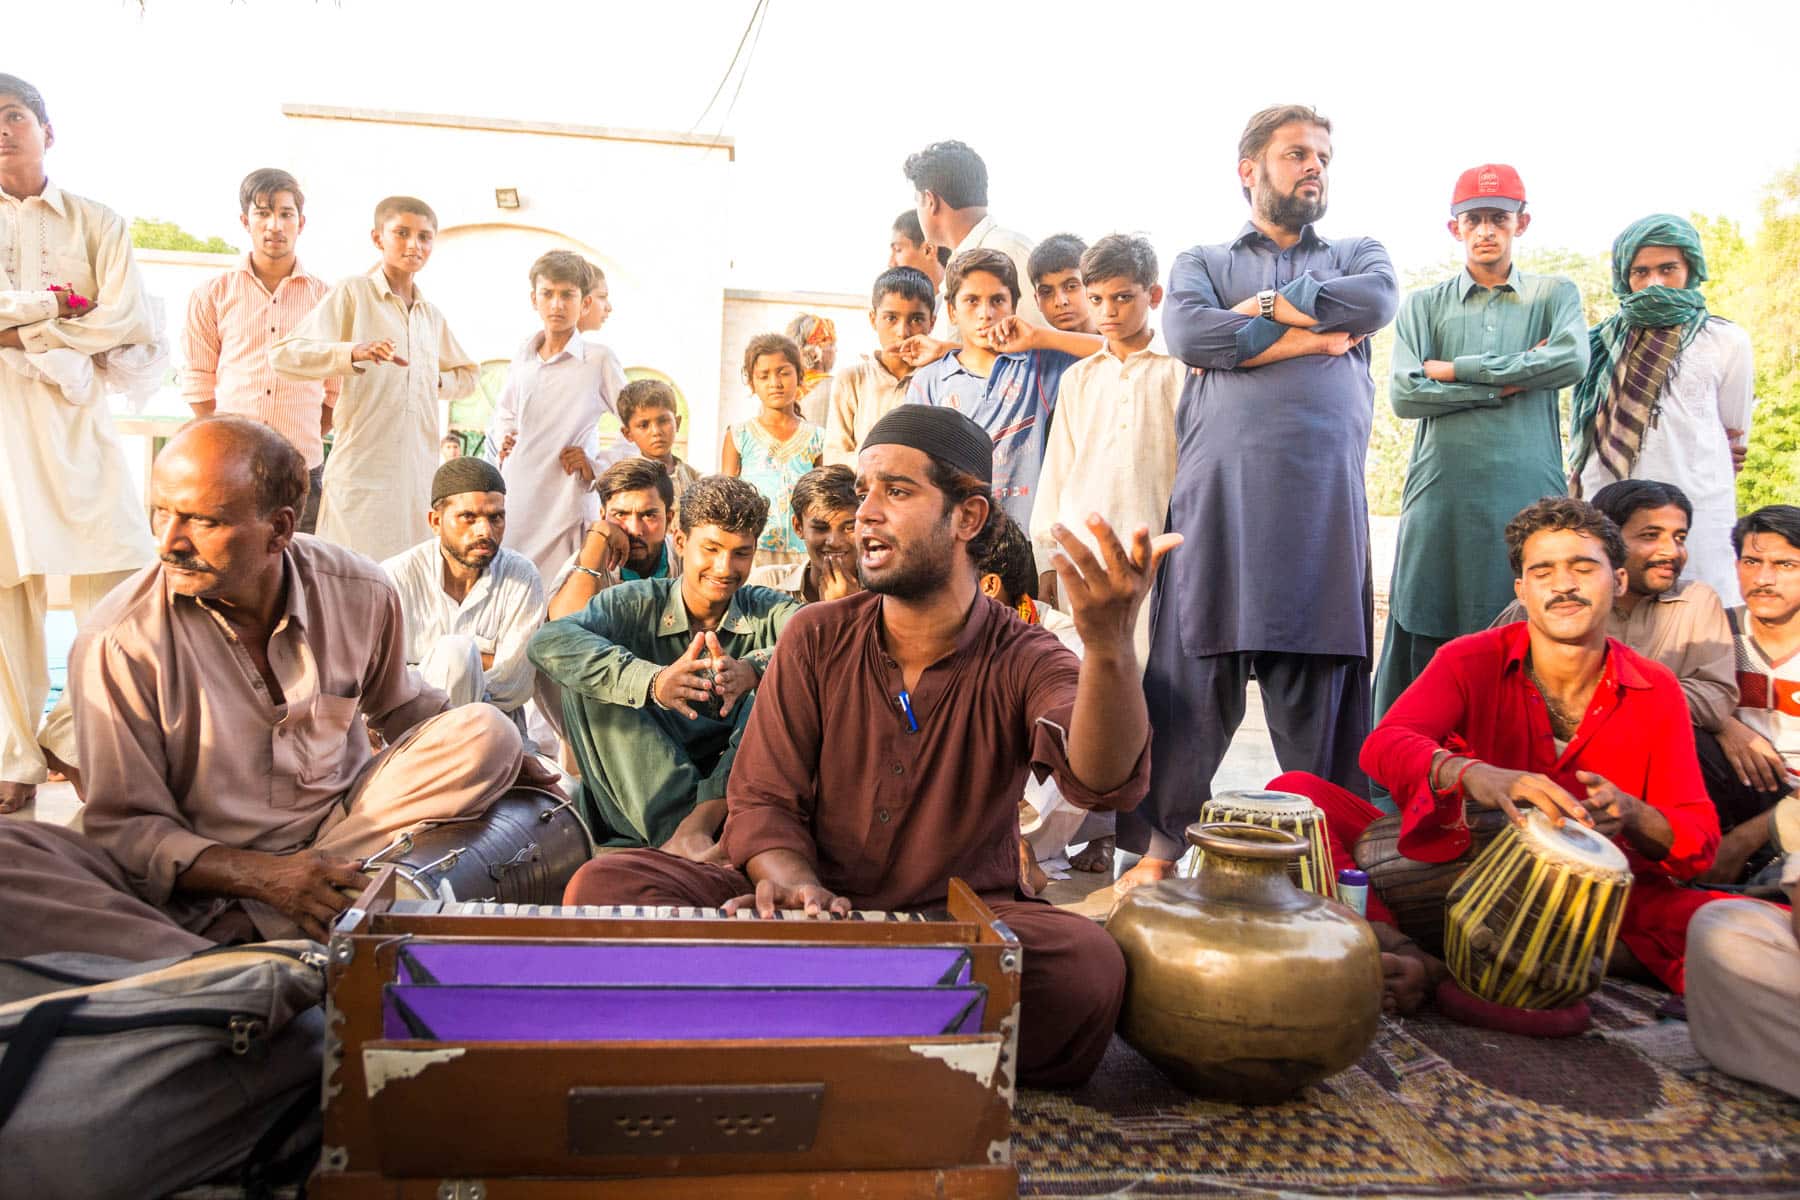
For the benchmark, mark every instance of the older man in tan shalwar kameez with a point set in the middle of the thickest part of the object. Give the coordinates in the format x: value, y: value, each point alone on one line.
x: 67, y: 502
x: 217, y: 696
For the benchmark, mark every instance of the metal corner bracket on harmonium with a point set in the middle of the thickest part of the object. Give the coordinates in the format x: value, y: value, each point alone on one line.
x: 499, y: 1051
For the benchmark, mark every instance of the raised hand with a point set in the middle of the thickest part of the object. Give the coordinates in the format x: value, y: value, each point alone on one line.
x: 1013, y: 335
x: 506, y: 447
x: 1608, y: 807
x: 837, y: 577
x: 684, y: 682
x: 1103, y: 594
x: 812, y: 898
x: 1496, y: 787
x: 921, y: 349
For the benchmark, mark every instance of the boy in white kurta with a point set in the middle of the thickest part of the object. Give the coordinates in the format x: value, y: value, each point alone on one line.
x: 545, y: 429
x: 67, y: 502
x: 401, y: 364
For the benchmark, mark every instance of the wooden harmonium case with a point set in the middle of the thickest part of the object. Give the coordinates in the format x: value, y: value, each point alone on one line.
x: 531, y: 1051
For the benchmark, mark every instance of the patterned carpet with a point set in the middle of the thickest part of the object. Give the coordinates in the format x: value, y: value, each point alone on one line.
x: 1434, y: 1109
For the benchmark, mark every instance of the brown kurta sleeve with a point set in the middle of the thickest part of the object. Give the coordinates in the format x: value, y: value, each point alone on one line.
x: 1050, y: 682
x: 773, y: 787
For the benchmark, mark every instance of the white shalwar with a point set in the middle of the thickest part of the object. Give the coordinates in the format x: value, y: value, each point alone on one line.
x: 389, y: 419
x: 68, y: 505
x: 445, y: 640
x: 550, y: 405
x: 1710, y: 389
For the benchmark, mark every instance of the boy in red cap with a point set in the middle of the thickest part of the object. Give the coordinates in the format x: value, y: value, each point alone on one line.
x: 1478, y: 360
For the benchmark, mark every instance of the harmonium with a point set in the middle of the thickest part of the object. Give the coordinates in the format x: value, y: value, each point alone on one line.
x: 482, y: 1051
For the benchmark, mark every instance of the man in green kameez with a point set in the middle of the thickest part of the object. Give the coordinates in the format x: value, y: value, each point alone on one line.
x: 1478, y: 360
x: 657, y: 676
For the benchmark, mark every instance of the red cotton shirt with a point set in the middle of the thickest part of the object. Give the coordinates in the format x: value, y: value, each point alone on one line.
x: 829, y: 768
x: 1474, y: 699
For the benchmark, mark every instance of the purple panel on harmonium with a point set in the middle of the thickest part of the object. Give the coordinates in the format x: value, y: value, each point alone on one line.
x: 683, y: 964
x: 581, y: 1014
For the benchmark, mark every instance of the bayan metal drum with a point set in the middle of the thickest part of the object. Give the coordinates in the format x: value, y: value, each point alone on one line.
x: 1533, y: 920
x: 1311, y: 872
x: 1414, y: 891
x: 522, y: 850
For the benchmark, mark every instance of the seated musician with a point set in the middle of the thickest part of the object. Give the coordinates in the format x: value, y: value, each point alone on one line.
x: 470, y: 604
x: 1681, y: 624
x: 897, y: 727
x: 220, y: 698
x: 631, y: 540
x: 824, y: 516
x: 656, y: 676
x: 1547, y: 712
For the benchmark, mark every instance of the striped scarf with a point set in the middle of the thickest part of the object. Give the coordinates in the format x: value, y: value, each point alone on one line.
x: 1631, y: 353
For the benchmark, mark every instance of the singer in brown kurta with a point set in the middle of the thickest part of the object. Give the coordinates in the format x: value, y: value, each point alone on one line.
x: 830, y: 768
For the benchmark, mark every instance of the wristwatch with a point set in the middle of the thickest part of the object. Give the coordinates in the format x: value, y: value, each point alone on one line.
x: 1265, y: 303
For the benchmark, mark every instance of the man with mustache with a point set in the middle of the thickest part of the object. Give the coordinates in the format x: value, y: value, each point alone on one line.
x: 1669, y: 390
x: 1547, y: 713
x: 234, y: 320
x: 220, y: 701
x: 1268, y: 490
x: 470, y: 604
x: 1478, y: 361
x: 899, y: 725
x: 656, y: 676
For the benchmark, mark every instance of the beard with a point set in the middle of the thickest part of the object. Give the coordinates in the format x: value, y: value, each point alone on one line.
x: 465, y: 555
x: 916, y: 571
x: 1287, y: 211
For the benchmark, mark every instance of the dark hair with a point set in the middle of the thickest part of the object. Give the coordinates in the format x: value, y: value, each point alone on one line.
x: 909, y: 283
x: 277, y: 470
x: 726, y: 501
x: 994, y: 262
x: 395, y: 206
x: 563, y: 266
x: 1261, y: 130
x: 30, y: 97
x: 642, y: 394
x: 907, y: 226
x: 950, y: 171
x: 1623, y: 497
x: 635, y: 475
x: 266, y: 183
x: 1058, y: 252
x: 958, y: 485
x: 1782, y: 520
x: 1120, y: 256
x: 1562, y: 512
x: 1010, y: 557
x: 772, y: 343
x: 595, y: 274
x: 828, y: 489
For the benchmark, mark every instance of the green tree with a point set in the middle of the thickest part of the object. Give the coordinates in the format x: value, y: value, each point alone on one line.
x: 1757, y: 290
x: 167, y: 235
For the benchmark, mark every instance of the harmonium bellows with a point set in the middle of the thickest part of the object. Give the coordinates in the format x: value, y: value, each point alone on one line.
x: 536, y: 1051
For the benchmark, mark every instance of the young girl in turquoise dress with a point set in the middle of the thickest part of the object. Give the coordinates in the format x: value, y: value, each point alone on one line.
x: 773, y: 449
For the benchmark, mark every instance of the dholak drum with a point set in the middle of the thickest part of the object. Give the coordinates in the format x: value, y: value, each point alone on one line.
x: 522, y: 850
x: 1275, y: 810
x: 1414, y: 891
x: 1532, y: 922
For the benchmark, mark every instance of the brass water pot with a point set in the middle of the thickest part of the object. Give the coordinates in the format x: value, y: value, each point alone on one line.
x: 1241, y: 986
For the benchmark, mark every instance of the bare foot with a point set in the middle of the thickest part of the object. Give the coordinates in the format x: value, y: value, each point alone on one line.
x: 62, y: 772
x: 1032, y: 880
x: 1097, y: 856
x: 1145, y: 870
x: 14, y: 796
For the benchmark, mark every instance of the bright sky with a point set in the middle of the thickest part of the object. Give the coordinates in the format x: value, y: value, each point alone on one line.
x: 1093, y: 117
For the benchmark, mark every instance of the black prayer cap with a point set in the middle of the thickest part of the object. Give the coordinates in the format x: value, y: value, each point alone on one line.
x: 466, y: 474
x: 943, y: 433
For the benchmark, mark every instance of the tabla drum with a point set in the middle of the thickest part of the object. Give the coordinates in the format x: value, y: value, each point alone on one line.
x: 1532, y: 922
x: 1414, y: 891
x: 522, y: 850
x: 1285, y: 811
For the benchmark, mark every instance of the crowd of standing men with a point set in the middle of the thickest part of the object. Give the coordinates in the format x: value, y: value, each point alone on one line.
x: 780, y: 684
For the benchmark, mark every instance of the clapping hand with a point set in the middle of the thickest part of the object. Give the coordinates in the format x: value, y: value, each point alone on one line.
x: 685, y: 682
x: 1104, y: 593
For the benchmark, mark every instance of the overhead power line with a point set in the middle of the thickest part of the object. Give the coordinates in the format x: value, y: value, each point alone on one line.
x: 752, y: 26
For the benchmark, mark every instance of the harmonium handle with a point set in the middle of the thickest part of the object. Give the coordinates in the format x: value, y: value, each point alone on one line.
x: 747, y: 1119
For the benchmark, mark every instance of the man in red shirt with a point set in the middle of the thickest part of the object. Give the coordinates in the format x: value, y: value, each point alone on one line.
x: 1549, y: 713
x: 894, y: 730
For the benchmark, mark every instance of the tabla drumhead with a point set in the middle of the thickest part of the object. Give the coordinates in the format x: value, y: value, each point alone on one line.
x: 1275, y: 804
x: 1574, y: 844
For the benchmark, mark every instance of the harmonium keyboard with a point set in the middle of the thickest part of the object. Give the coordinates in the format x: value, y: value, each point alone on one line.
x: 537, y: 1052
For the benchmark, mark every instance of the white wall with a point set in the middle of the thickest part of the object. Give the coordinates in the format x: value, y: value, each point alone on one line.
x: 748, y: 313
